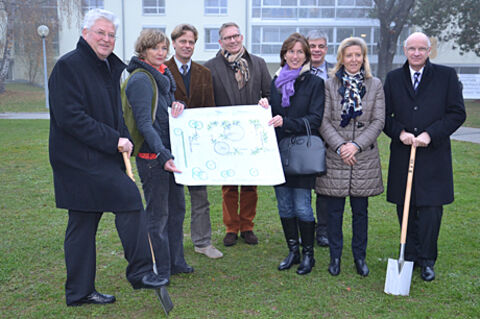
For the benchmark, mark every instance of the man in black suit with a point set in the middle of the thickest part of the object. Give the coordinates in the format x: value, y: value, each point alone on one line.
x: 424, y: 106
x: 87, y: 136
x: 318, y: 42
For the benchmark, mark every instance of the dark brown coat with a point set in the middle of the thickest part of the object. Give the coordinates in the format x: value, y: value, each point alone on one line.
x: 201, y: 87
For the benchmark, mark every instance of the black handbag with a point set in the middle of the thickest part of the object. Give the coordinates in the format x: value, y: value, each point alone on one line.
x: 303, y: 154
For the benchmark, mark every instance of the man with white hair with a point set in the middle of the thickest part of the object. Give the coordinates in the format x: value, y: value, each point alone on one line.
x: 424, y: 106
x: 87, y: 137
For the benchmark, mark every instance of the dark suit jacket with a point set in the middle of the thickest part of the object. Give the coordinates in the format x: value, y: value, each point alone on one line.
x: 436, y: 108
x: 225, y: 86
x: 201, y: 87
x: 86, y: 122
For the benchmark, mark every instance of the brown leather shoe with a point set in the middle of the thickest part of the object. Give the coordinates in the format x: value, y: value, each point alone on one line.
x: 249, y: 237
x: 230, y: 239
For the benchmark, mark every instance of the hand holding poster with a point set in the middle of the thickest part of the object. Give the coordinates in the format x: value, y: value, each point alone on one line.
x: 227, y: 145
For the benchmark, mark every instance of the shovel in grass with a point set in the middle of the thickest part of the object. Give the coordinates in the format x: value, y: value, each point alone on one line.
x: 399, y: 272
x: 161, y: 292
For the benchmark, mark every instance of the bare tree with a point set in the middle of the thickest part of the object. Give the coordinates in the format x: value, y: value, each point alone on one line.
x: 393, y: 16
x: 14, y: 33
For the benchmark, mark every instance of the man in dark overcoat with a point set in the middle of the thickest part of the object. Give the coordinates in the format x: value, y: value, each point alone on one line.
x: 239, y: 78
x: 424, y: 106
x: 87, y: 136
x: 195, y: 89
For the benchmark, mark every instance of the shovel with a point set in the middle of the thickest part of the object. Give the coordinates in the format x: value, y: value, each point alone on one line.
x: 399, y: 272
x: 161, y: 292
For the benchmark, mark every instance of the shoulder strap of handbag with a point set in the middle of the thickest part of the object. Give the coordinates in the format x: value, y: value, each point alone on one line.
x: 137, y: 137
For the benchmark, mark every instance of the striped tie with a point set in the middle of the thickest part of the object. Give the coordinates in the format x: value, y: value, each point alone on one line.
x: 416, y: 80
x: 184, y: 69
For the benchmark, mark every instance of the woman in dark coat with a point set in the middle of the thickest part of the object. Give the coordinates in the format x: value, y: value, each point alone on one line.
x: 296, y: 94
x: 165, y: 198
x: 354, y: 118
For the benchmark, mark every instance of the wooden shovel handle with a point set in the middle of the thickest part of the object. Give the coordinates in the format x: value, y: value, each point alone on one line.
x: 128, y: 165
x: 408, y: 192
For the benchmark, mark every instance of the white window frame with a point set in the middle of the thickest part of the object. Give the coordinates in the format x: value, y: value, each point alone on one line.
x: 218, y: 10
x: 207, y: 37
x: 159, y: 8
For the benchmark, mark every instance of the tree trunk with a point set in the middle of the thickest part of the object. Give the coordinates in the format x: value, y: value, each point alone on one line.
x: 393, y: 16
x: 7, y: 52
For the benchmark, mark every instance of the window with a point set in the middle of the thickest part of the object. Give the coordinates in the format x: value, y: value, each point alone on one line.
x: 153, y: 7
x: 311, y: 9
x: 267, y: 40
x: 211, y: 39
x: 158, y: 28
x: 215, y: 7
x: 92, y: 4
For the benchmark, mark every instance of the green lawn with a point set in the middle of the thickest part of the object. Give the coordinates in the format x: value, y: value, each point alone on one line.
x: 473, y: 113
x: 20, y: 97
x: 245, y: 282
x: 26, y: 98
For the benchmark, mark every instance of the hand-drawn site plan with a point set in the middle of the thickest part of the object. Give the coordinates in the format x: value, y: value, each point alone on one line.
x: 225, y: 145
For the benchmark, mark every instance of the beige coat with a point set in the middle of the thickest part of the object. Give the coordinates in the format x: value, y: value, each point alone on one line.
x: 364, y: 178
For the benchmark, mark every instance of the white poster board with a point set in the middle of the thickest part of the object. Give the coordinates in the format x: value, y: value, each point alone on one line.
x: 471, y: 85
x: 225, y: 145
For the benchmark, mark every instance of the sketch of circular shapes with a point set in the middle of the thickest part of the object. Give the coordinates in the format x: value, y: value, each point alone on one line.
x: 195, y: 124
x: 177, y: 131
x: 227, y: 173
x: 254, y: 172
x: 211, y: 165
x: 221, y: 148
x: 198, y: 173
x: 235, y: 133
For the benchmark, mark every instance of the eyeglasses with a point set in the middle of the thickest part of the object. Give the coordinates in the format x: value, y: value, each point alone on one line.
x: 413, y: 50
x: 320, y: 46
x: 102, y: 34
x: 232, y: 37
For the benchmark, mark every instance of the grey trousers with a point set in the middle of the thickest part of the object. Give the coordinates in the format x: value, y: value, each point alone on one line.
x: 200, y: 227
x: 165, y: 214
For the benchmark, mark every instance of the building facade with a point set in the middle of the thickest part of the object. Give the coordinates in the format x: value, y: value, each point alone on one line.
x: 264, y: 23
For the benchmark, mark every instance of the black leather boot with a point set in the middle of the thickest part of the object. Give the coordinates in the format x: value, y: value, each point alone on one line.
x: 290, y: 229
x: 307, y: 230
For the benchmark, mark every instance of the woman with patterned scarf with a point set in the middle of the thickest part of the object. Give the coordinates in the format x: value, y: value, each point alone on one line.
x: 165, y: 198
x: 296, y: 94
x: 354, y: 118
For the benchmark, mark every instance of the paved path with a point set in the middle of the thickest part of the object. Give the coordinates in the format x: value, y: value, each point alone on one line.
x: 466, y: 134
x: 25, y: 116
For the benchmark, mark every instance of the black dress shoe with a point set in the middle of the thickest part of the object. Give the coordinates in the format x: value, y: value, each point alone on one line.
x: 428, y: 274
x: 334, y: 267
x: 150, y: 281
x: 95, y: 298
x: 184, y: 270
x: 362, y: 268
x: 322, y: 240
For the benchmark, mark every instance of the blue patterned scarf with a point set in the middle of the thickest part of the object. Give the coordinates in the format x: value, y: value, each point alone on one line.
x: 352, y: 96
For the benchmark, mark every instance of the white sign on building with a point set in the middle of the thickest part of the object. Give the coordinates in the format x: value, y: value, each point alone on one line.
x: 471, y: 85
x: 227, y: 145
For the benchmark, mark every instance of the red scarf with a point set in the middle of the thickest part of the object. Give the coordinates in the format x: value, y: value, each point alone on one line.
x: 160, y: 69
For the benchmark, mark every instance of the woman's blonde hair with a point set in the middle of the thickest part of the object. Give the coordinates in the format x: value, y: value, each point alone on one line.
x: 348, y: 42
x: 149, y: 39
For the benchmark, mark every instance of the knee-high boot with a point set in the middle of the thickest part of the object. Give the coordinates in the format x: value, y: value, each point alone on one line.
x: 290, y: 229
x: 307, y: 231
